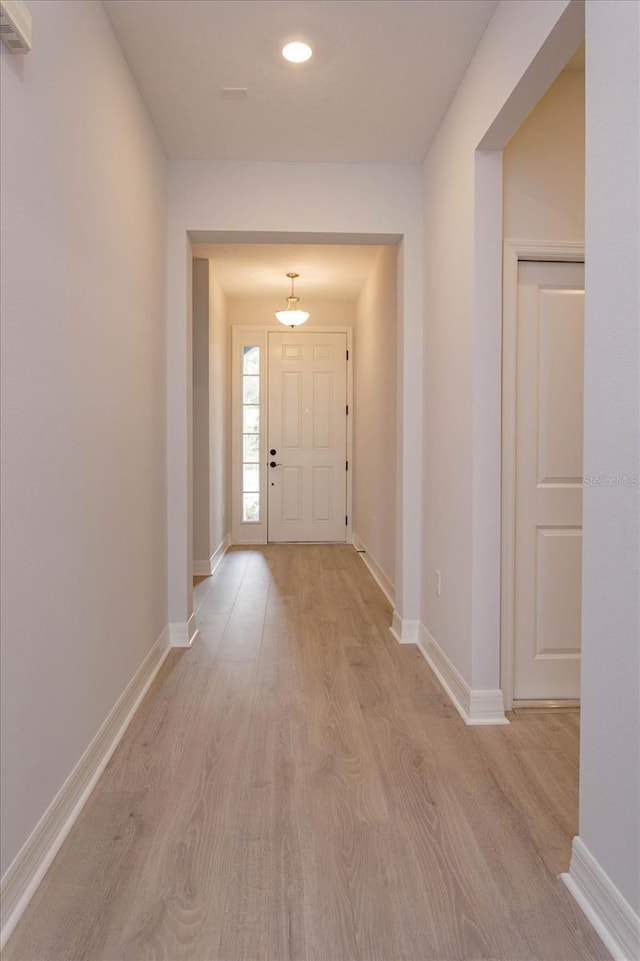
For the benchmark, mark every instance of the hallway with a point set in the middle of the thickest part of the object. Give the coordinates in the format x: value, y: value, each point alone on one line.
x: 297, y: 786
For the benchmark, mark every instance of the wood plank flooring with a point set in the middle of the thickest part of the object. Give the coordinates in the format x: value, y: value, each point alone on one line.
x: 298, y: 786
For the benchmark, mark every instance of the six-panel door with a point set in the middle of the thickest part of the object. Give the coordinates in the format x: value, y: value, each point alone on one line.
x: 307, y: 429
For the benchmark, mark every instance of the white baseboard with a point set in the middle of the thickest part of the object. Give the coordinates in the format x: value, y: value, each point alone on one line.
x: 404, y: 631
x: 183, y: 633
x: 612, y: 917
x: 23, y: 876
x: 207, y: 568
x: 384, y: 582
x: 219, y: 552
x: 475, y: 707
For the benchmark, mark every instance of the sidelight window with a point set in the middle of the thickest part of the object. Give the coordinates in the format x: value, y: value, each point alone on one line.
x: 250, y: 434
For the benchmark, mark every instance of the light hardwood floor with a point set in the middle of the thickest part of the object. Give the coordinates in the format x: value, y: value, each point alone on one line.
x: 298, y: 786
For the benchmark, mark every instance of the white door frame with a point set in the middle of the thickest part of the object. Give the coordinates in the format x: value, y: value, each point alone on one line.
x: 240, y: 334
x: 514, y: 252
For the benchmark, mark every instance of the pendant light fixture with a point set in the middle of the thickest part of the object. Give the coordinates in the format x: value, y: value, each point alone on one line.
x: 291, y: 316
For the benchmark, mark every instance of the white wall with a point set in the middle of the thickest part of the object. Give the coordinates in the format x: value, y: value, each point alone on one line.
x: 375, y: 428
x: 211, y: 393
x: 610, y: 716
x: 523, y: 48
x: 202, y: 547
x: 219, y: 413
x: 83, y: 399
x: 524, y: 45
x: 210, y: 201
x: 543, y: 167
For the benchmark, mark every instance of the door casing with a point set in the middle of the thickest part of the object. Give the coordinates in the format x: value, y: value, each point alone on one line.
x: 513, y: 252
x: 251, y: 533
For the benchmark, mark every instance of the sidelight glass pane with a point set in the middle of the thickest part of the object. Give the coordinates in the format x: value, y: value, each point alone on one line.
x: 250, y: 478
x: 251, y: 507
x: 250, y: 434
x: 250, y: 419
x: 251, y: 390
x: 250, y: 360
x: 251, y: 448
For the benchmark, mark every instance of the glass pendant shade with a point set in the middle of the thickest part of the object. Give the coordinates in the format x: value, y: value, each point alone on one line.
x: 291, y: 316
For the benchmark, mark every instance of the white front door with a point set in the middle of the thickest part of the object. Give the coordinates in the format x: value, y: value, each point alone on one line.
x: 548, y: 521
x: 307, y: 437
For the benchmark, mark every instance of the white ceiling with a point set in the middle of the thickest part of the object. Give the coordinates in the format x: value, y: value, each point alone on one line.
x: 327, y: 271
x: 383, y: 74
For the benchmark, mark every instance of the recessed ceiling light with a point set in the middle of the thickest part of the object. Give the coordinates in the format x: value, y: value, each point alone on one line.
x: 297, y: 52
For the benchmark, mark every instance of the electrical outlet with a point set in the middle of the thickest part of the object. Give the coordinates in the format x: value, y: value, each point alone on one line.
x: 438, y: 583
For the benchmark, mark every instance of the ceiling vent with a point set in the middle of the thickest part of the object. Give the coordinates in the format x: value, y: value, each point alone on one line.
x: 235, y: 93
x: 15, y: 26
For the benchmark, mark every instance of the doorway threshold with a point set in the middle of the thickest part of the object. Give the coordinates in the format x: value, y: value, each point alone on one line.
x: 541, y: 706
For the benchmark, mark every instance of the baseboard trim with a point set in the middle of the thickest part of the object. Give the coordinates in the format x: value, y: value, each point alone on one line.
x: 404, y: 631
x: 475, y: 707
x: 384, y: 582
x: 612, y: 917
x: 207, y: 568
x: 183, y: 633
x: 23, y: 876
x: 219, y: 553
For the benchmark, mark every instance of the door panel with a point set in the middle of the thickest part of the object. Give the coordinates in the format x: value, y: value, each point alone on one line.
x: 308, y: 430
x: 290, y: 494
x: 548, y: 521
x: 322, y: 485
x: 291, y: 413
x: 558, y: 592
x: 323, y: 409
x: 560, y: 371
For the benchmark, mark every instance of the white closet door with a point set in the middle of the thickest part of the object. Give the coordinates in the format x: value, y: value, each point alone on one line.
x: 548, y: 532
